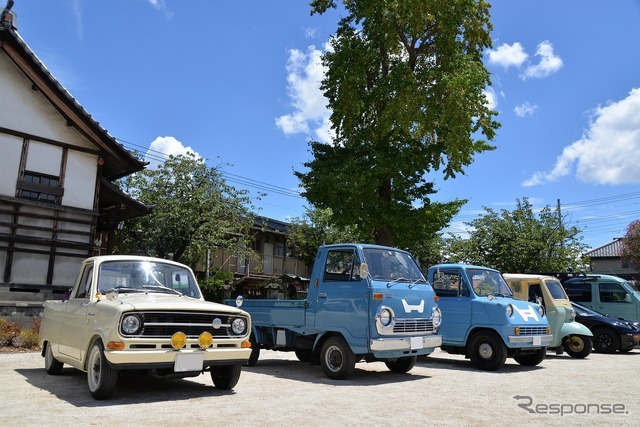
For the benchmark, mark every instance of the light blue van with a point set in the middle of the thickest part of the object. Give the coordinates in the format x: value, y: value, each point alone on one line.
x: 484, y: 321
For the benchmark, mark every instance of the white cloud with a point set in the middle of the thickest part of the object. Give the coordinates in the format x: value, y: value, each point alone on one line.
x: 162, y: 147
x: 608, y: 153
x: 161, y: 6
x: 524, y: 109
x: 310, y: 115
x: 492, y: 98
x: 549, y: 62
x: 508, y: 55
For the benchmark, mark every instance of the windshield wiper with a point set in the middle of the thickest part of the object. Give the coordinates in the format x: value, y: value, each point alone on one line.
x: 163, y: 289
x: 415, y: 282
x: 398, y: 280
x: 126, y: 289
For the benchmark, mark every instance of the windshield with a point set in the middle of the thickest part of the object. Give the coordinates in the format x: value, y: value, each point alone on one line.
x: 390, y: 265
x: 146, y: 276
x: 555, y: 289
x: 485, y: 282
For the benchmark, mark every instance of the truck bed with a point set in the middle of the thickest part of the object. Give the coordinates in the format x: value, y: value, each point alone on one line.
x: 274, y: 312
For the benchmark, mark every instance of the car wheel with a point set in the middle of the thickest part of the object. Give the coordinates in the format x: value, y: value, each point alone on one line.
x: 577, y: 346
x: 605, y: 340
x: 487, y: 351
x: 337, y: 359
x: 225, y: 377
x: 101, y: 378
x: 531, y: 359
x: 255, y: 351
x: 402, y: 364
x: 52, y: 365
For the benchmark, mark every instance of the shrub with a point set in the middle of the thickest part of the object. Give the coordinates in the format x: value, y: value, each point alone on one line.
x: 8, y: 331
x: 26, y: 338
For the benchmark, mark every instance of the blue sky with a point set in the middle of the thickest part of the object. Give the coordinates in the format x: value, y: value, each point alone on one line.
x: 237, y: 82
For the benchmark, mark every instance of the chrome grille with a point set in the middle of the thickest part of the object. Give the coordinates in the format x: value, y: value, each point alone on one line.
x: 405, y: 326
x: 532, y: 330
x: 163, y: 324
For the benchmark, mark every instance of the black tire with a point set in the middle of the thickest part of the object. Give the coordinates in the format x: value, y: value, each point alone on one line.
x: 625, y: 350
x: 101, y: 378
x: 304, y: 355
x: 402, y: 364
x: 531, y: 359
x: 255, y: 351
x: 337, y: 359
x: 577, y: 346
x: 487, y: 351
x: 605, y: 340
x: 225, y: 377
x: 52, y: 365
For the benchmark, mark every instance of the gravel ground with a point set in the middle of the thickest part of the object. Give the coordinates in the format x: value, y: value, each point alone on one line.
x: 442, y: 389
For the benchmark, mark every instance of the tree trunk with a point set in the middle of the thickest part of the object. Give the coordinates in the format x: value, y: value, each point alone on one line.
x: 382, y: 234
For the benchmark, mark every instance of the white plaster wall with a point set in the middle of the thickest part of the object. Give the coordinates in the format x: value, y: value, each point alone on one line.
x: 44, y: 158
x: 27, y: 110
x: 10, y: 150
x: 80, y: 180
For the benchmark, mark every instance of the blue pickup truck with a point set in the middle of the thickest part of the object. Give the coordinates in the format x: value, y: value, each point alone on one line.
x: 365, y: 302
x: 484, y: 321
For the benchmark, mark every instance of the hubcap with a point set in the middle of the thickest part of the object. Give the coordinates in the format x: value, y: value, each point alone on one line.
x: 604, y: 341
x: 334, y: 358
x: 485, y: 350
x: 576, y: 344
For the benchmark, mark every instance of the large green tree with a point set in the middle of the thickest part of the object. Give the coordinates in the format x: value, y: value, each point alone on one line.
x: 631, y: 244
x: 194, y: 209
x: 405, y: 85
x: 316, y: 228
x: 520, y: 241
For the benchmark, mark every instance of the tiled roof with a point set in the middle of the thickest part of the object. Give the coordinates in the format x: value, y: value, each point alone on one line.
x: 610, y: 250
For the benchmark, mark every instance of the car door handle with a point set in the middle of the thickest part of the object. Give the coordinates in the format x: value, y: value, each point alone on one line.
x: 322, y: 295
x: 85, y: 304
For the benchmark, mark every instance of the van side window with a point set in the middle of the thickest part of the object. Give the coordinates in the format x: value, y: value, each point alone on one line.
x: 339, y: 265
x: 85, y: 284
x: 449, y: 284
x: 611, y: 292
x: 578, y: 292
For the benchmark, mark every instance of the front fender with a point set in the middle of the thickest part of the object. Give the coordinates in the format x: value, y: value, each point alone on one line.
x: 574, y: 328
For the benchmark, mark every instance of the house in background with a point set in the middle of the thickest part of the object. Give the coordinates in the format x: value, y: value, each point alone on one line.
x: 265, y: 271
x: 58, y: 204
x: 607, y: 259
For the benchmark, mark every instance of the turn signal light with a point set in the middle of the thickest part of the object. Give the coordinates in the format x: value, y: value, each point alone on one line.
x: 378, y: 296
x: 115, y: 345
x: 246, y: 344
x: 516, y: 331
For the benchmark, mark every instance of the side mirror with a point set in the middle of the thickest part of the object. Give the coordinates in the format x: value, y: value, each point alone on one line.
x: 364, y: 270
x: 239, y: 301
x: 627, y: 298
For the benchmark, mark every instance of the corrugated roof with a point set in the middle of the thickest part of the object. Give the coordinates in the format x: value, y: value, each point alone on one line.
x: 610, y: 250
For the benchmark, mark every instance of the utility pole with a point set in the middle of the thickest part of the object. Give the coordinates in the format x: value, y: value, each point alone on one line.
x: 560, y: 225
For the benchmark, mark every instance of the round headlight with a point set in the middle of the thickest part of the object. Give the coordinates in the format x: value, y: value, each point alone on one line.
x: 572, y: 314
x: 509, y: 310
x: 437, y: 317
x: 131, y: 324
x: 385, y: 316
x: 541, y: 311
x: 238, y: 326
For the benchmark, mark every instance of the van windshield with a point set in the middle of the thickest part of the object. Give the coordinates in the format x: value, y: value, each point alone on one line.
x: 555, y: 289
x: 485, y: 282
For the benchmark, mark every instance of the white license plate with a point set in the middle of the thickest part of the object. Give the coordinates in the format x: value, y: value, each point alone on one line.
x: 537, y: 340
x: 416, y: 343
x: 186, y: 362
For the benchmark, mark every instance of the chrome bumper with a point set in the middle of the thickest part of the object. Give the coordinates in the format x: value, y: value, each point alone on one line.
x: 534, y: 340
x: 405, y: 343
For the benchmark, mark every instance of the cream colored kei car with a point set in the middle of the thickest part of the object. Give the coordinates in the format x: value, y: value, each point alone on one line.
x: 141, y: 313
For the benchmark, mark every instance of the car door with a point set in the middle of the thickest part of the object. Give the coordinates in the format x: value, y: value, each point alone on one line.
x: 615, y: 301
x: 75, y: 316
x: 455, y: 303
x: 341, y: 300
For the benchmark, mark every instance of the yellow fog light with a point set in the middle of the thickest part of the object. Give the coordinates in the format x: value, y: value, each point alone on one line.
x: 205, y: 340
x: 178, y: 340
x: 516, y: 331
